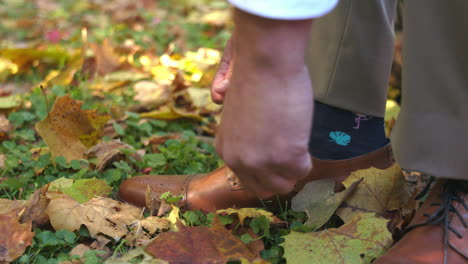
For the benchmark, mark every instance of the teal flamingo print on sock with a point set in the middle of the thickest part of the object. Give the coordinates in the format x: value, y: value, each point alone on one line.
x: 340, y: 138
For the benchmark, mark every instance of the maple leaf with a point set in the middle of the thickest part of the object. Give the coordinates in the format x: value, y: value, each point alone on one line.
x: 200, y: 244
x: 363, y: 239
x: 14, y: 237
x: 380, y: 191
x: 319, y: 201
x: 243, y: 213
x: 99, y: 215
x: 69, y: 130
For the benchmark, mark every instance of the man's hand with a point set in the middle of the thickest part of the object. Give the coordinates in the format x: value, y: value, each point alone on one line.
x: 267, y: 117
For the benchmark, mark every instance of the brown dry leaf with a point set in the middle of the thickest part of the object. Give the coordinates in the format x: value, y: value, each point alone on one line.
x: 319, y: 200
x: 151, y: 94
x: 108, y: 152
x: 143, y: 230
x: 5, y: 127
x: 200, y: 244
x: 99, y: 215
x: 14, y: 237
x: 69, y: 130
x: 247, y: 213
x: 32, y: 209
x: 381, y: 191
x: 7, y: 205
x: 107, y: 60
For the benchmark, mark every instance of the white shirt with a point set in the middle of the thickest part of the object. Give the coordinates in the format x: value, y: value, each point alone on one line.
x: 286, y: 9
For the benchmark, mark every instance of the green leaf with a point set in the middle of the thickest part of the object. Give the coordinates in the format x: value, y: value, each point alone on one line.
x: 61, y: 161
x: 191, y: 218
x: 84, y: 189
x: 260, y: 224
x: 67, y: 236
x: 118, y: 128
x: 47, y: 238
x: 364, y: 238
x: 246, y: 238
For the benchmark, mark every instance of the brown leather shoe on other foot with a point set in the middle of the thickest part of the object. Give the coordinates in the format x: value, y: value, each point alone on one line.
x: 438, y: 233
x: 222, y: 189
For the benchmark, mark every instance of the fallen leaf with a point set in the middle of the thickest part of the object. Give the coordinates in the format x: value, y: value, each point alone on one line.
x: 170, y: 113
x: 361, y: 240
x: 107, y: 60
x: 99, y: 215
x: 174, y: 217
x: 5, y: 127
x: 151, y: 94
x: 14, y: 237
x: 82, y: 190
x: 9, y: 102
x: 217, y: 17
x: 24, y: 58
x: 200, y: 244
x: 31, y: 210
x: 201, y: 98
x: 69, y: 130
x: 107, y: 152
x: 243, y: 213
x: 143, y: 230
x: 380, y: 191
x: 134, y: 256
x: 65, y: 76
x: 392, y: 110
x: 319, y: 201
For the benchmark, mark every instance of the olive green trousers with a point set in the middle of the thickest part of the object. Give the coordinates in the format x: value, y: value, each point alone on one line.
x: 350, y: 55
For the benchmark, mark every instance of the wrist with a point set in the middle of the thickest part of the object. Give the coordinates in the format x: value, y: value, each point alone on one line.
x: 270, y: 43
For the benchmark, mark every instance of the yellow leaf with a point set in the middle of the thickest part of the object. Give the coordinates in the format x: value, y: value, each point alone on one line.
x: 170, y: 113
x: 65, y: 76
x: 69, y: 130
x: 174, y: 217
x: 380, y: 191
x: 247, y: 212
x: 99, y: 215
x: 364, y: 238
x: 9, y: 102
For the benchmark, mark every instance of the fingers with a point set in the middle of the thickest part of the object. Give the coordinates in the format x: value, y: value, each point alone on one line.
x: 221, y: 80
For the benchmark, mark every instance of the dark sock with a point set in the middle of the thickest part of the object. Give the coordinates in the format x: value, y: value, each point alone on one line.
x: 342, y: 134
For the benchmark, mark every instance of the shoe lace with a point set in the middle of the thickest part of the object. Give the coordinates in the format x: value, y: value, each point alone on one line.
x: 453, y: 192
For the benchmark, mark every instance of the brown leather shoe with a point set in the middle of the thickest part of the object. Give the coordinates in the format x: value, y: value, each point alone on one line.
x: 438, y: 233
x: 222, y: 189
